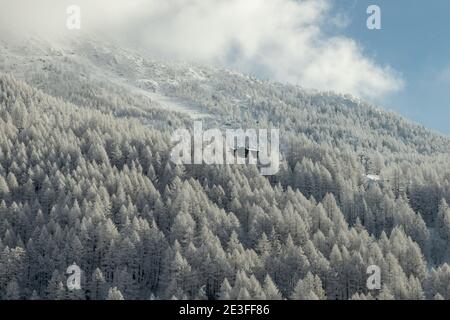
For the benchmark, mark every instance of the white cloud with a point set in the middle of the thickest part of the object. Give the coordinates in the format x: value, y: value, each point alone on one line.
x: 279, y: 39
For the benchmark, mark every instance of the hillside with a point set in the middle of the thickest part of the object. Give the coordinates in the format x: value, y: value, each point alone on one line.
x: 85, y: 177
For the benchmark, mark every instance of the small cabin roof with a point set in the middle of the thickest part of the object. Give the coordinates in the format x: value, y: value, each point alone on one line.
x: 234, y: 146
x: 245, y: 148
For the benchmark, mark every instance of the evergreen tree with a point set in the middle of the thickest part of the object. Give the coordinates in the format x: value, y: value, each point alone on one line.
x: 114, y: 294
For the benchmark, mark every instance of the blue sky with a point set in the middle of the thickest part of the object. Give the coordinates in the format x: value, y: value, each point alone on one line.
x: 415, y: 41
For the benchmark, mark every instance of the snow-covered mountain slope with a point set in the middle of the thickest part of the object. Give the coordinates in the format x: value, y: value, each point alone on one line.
x: 220, y: 96
x: 90, y: 65
x: 86, y: 176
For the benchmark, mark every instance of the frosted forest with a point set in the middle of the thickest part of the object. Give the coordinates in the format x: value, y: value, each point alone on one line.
x: 86, y: 178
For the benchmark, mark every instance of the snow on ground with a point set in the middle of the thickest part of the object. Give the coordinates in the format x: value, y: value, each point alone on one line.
x: 176, y: 105
x: 103, y: 65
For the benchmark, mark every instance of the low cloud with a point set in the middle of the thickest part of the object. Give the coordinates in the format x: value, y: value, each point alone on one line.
x: 283, y: 40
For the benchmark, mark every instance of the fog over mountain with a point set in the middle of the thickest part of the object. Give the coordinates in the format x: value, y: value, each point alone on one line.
x: 284, y: 40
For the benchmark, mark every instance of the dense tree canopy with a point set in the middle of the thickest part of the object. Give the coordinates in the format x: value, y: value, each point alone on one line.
x: 86, y: 177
